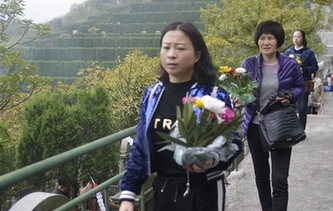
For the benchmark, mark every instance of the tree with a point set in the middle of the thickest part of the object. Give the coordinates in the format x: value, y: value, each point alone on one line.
x: 55, y: 122
x: 18, y: 81
x: 80, y: 12
x: 125, y: 83
x: 231, y: 28
x: 6, y: 157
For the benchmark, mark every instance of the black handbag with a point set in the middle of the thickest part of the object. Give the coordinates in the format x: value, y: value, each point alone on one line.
x: 279, y: 126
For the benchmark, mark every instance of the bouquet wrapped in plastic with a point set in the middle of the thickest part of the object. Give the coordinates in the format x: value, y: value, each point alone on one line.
x: 202, y: 132
x: 218, y: 150
x: 237, y: 82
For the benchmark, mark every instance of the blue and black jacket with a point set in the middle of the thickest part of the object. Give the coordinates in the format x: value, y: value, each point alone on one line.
x: 139, y: 165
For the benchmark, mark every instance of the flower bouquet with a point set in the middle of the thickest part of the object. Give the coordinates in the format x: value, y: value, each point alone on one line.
x: 203, y: 124
x: 237, y: 82
x: 298, y: 60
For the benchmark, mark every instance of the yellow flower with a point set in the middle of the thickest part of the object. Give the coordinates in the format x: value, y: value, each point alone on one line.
x: 224, y: 69
x: 298, y: 61
x: 198, y: 103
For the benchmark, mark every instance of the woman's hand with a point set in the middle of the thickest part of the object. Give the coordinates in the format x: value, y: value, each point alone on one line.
x: 197, y: 169
x: 126, y: 206
x: 283, y: 101
x: 237, y: 105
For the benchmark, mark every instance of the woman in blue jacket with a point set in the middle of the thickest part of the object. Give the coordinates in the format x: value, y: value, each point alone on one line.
x: 308, y: 66
x: 274, y: 72
x: 186, y: 68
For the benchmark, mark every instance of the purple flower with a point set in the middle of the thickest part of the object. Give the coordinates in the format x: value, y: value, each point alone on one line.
x: 228, y: 115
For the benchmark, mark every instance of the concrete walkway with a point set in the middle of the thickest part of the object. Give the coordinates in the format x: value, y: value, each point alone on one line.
x: 311, y: 170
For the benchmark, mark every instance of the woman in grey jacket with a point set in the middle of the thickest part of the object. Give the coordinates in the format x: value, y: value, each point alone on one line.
x: 274, y: 72
x: 186, y: 68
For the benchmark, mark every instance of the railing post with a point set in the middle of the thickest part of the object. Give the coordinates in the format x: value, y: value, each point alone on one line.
x: 124, y: 153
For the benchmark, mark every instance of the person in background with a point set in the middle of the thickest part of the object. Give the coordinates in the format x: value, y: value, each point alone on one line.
x: 92, y: 203
x: 63, y: 187
x: 186, y: 68
x: 308, y: 66
x: 316, y: 97
x: 274, y: 72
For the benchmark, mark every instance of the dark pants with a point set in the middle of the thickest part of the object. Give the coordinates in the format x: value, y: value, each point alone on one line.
x: 169, y: 192
x: 280, y: 161
x: 302, y: 107
x: 312, y: 110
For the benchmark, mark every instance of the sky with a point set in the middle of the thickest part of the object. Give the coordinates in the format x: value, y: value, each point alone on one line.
x: 42, y: 11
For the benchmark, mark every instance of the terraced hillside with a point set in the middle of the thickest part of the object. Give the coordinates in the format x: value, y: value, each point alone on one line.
x: 105, y: 37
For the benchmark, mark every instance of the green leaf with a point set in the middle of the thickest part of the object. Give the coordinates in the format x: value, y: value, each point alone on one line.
x: 187, y: 112
x: 192, y: 129
x: 170, y: 138
x: 181, y: 126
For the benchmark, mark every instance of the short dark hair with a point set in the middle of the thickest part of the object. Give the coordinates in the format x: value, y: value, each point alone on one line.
x: 63, y: 181
x: 304, y: 42
x: 204, y: 70
x: 270, y: 27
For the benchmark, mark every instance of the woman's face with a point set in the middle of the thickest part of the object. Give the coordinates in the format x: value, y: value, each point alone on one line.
x: 267, y: 44
x: 178, y: 56
x: 298, y: 39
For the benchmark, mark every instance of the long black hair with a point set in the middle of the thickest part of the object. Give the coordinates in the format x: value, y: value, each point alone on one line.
x: 204, y: 70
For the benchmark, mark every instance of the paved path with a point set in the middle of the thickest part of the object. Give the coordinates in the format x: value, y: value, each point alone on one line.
x: 311, y: 170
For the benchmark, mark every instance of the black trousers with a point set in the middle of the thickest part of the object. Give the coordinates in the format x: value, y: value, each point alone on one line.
x: 276, y: 200
x: 169, y: 192
x: 312, y: 110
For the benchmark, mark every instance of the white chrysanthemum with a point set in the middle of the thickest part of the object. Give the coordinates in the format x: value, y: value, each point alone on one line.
x: 240, y: 70
x: 214, y: 105
x: 222, y: 77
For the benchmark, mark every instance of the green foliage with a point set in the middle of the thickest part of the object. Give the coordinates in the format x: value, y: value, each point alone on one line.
x: 123, y: 18
x: 55, y: 122
x: 162, y: 7
x: 83, y: 11
x: 234, y: 33
x: 6, y: 156
x: 18, y: 81
x: 125, y: 83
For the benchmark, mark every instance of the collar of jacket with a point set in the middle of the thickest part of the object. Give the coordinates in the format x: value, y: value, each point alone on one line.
x: 154, y: 95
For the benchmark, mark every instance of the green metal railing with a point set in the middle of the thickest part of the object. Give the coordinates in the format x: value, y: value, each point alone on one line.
x: 19, y: 175
x: 101, y: 187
